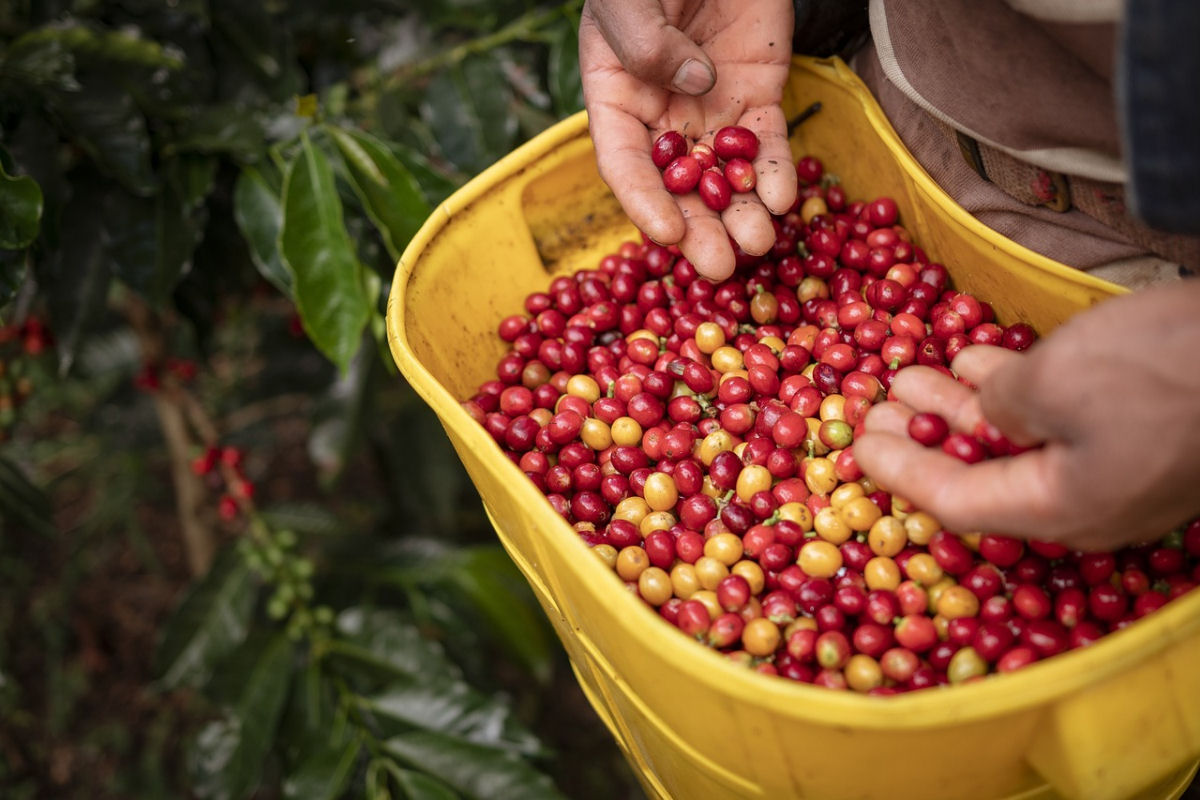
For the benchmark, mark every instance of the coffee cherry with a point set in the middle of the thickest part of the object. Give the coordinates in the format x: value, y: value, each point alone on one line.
x: 740, y: 175
x: 734, y: 141
x: 715, y: 190
x: 669, y: 146
x: 928, y: 429
x: 682, y: 175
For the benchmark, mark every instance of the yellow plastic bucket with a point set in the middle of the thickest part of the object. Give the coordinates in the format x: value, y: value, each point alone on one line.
x: 1119, y: 719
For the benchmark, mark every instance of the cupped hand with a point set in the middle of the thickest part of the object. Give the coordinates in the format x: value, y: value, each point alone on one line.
x: 1113, y: 399
x: 693, y: 66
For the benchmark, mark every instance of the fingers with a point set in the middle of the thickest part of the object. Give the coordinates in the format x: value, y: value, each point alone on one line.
x: 650, y: 48
x: 623, y: 158
x: 706, y: 241
x: 977, y: 362
x: 773, y: 166
x: 926, y: 389
x: 1006, y: 495
x: 749, y: 224
x: 1005, y: 379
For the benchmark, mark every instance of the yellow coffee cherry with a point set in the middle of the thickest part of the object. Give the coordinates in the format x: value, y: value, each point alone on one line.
x: 656, y: 521
x: 863, y: 673
x: 753, y: 478
x: 632, y: 561
x: 626, y: 432
x: 820, y: 559
x: 632, y: 509
x: 860, y: 514
x: 710, y: 571
x: 724, y: 547
x: 660, y: 492
x: 935, y: 591
x: 654, y: 585
x: 881, y: 572
x: 920, y: 527
x: 709, y: 337
x: 584, y: 386
x: 819, y: 475
x: 716, y: 442
x: 957, y: 601
x: 813, y: 207
x: 830, y: 526
x: 774, y: 342
x: 726, y: 358
x: 833, y: 407
x: 812, y: 440
x: 844, y: 494
x: 887, y: 536
x: 924, y: 569
x: 606, y: 553
x: 684, y: 580
x: 797, y: 513
x: 596, y: 434
x: 761, y: 637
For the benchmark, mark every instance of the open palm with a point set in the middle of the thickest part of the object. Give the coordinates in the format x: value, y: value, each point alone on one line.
x: 629, y: 54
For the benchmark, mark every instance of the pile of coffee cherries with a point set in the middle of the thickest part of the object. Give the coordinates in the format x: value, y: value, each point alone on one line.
x: 716, y: 171
x: 699, y: 436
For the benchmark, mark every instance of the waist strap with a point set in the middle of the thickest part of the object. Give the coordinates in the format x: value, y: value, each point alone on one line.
x: 1103, y: 202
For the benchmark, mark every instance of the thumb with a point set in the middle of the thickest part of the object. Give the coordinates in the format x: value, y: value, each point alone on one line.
x: 1003, y: 377
x: 650, y: 48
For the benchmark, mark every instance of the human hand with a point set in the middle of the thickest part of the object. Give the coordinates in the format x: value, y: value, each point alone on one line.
x: 1113, y: 397
x: 693, y: 66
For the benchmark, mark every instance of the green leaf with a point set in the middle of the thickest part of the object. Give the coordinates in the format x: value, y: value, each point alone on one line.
x: 23, y: 501
x: 20, y: 210
x: 259, y: 214
x: 478, y: 772
x: 212, y: 621
x: 387, y: 644
x: 487, y: 88
x: 419, y: 786
x: 321, y: 749
x: 221, y: 130
x: 562, y: 70
x: 451, y: 707
x: 469, y: 107
x: 75, y: 278
x: 388, y: 191
x: 435, y: 183
x: 40, y: 61
x: 323, y: 771
x: 326, y: 273
x: 413, y: 785
x: 14, y: 265
x: 151, y: 241
x: 225, y: 760
x: 489, y: 578
x: 105, y: 121
x: 124, y: 46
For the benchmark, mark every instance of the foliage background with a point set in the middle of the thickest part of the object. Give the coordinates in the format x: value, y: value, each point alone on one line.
x: 239, y: 558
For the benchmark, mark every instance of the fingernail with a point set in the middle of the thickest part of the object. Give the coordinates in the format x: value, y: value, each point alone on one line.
x: 693, y: 77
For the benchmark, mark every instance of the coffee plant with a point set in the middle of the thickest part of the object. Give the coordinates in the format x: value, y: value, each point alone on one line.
x: 201, y: 207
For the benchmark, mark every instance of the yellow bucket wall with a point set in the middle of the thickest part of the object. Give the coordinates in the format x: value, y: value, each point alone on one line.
x: 1119, y: 719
